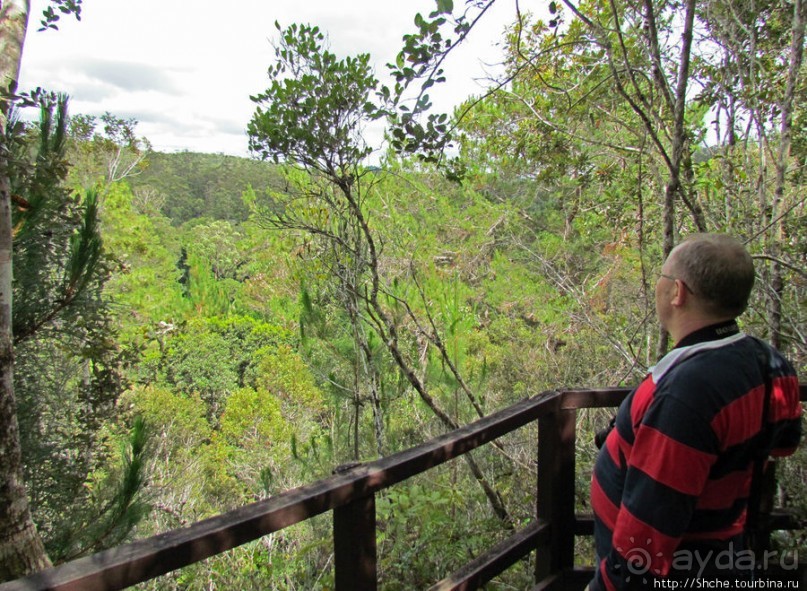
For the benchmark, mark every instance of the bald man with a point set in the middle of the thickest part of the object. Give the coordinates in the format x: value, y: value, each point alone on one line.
x: 671, y: 483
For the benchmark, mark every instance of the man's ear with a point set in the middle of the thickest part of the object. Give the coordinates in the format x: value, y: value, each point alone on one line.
x: 680, y: 295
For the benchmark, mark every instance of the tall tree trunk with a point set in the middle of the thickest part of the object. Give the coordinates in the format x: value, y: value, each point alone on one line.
x: 21, y: 549
x: 778, y: 236
x: 679, y: 144
x: 387, y: 329
x: 673, y: 94
x: 668, y: 243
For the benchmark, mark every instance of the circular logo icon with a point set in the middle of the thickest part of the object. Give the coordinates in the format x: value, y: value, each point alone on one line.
x: 639, y: 561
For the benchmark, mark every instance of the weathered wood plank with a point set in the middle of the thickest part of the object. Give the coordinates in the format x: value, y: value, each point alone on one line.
x: 354, y: 544
x: 555, y: 489
x: 496, y: 560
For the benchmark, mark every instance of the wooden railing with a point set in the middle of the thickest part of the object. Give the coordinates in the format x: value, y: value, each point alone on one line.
x: 350, y: 495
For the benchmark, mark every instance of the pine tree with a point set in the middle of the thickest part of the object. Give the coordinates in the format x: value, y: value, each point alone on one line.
x: 67, y: 372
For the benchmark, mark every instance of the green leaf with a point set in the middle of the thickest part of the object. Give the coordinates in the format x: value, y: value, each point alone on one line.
x: 445, y: 6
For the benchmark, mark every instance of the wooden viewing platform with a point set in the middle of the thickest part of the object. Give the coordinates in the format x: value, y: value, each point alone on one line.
x: 350, y: 495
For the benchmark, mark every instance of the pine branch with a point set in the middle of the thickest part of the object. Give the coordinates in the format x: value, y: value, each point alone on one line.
x: 85, y: 253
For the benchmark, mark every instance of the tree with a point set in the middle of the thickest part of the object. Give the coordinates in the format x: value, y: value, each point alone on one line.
x: 107, y: 156
x: 68, y: 368
x: 752, y: 84
x: 624, y: 50
x: 333, y: 97
x: 21, y: 549
x: 311, y: 118
x: 634, y: 66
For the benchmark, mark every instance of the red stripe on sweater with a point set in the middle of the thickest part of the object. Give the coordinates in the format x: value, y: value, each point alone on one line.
x: 785, y: 399
x: 672, y: 463
x: 723, y: 492
x: 617, y: 448
x: 609, y: 584
x: 739, y: 420
x: 606, y: 511
x: 642, y: 399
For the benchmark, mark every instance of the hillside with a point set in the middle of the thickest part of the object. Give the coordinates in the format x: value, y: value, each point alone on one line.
x: 193, y: 185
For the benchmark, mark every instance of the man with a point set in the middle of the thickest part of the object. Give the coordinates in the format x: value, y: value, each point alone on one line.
x: 674, y: 473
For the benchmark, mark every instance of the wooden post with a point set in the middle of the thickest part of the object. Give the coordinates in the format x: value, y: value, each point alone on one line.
x: 354, y: 544
x: 556, y: 494
x: 760, y: 539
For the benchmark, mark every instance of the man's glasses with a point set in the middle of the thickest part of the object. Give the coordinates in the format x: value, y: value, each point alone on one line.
x: 671, y: 278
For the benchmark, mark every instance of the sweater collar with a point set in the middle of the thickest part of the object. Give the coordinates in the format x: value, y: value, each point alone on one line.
x: 709, y: 337
x: 712, y: 332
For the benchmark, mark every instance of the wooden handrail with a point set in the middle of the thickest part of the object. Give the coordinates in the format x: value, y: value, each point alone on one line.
x: 498, y: 559
x: 350, y: 494
x: 126, y: 565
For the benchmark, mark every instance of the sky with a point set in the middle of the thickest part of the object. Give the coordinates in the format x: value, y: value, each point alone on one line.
x: 185, y: 69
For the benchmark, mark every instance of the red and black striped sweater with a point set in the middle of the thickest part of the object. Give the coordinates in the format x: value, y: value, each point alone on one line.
x: 676, y: 468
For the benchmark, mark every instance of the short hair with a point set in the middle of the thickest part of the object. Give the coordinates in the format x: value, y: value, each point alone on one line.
x: 719, y: 270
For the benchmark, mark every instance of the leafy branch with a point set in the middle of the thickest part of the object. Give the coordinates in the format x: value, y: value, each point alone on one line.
x: 58, y: 8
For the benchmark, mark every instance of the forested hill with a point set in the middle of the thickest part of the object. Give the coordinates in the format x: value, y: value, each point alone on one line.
x: 194, y: 185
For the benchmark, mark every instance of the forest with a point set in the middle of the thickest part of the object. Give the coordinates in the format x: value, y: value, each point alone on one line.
x: 193, y: 332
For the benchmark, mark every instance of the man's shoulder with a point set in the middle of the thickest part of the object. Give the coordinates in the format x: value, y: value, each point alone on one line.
x: 731, y: 370
x: 741, y: 349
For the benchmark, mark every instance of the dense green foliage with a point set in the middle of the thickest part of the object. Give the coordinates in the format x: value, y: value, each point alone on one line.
x: 248, y: 326
x: 186, y: 186
x: 68, y: 370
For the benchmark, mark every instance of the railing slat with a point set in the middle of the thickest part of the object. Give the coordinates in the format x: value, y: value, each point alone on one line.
x: 553, y: 582
x: 496, y: 560
x: 597, y: 398
x: 354, y: 545
x: 555, y: 494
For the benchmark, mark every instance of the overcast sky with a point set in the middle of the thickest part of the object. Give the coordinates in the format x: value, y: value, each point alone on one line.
x: 185, y: 69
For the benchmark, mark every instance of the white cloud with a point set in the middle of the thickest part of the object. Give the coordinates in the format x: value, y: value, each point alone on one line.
x: 185, y: 70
